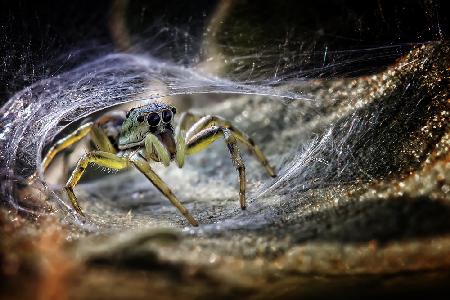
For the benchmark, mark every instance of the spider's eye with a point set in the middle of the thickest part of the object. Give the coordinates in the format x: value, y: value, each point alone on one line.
x: 174, y: 110
x: 140, y: 118
x: 167, y: 116
x: 153, y: 119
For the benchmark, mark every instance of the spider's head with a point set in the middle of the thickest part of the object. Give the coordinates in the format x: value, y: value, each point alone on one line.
x: 155, y: 118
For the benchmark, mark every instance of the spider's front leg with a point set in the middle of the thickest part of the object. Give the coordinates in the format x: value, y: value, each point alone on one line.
x: 144, y: 167
x: 101, y: 158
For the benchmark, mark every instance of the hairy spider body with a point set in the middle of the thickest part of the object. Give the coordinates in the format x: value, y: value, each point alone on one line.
x: 146, y: 134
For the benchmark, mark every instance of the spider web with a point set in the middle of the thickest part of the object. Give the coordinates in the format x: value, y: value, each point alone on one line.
x: 313, y: 144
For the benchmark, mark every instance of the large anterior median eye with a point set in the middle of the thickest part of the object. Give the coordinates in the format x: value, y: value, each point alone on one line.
x: 153, y: 119
x: 167, y: 116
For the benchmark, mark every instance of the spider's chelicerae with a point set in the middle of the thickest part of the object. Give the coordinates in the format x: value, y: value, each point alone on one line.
x: 146, y: 134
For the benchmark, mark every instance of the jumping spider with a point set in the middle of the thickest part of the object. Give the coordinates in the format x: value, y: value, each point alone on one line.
x: 146, y: 134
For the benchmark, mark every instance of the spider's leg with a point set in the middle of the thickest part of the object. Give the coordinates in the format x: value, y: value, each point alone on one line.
x: 98, y: 133
x: 210, y: 120
x: 101, y: 158
x: 207, y: 136
x: 66, y: 142
x: 256, y: 151
x: 152, y: 142
x: 144, y: 167
x: 101, y: 140
x: 186, y: 120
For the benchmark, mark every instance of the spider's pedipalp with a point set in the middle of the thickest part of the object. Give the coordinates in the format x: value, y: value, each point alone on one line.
x: 155, y: 150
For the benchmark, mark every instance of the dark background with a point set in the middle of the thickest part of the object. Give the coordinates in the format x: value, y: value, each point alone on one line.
x: 39, y: 39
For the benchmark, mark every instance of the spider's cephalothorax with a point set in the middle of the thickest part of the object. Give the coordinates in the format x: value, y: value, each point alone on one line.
x: 146, y: 134
x: 155, y: 119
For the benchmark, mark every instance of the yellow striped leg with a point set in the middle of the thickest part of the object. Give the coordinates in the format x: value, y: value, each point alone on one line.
x: 101, y: 158
x: 187, y: 119
x: 207, y: 136
x: 144, y: 167
x: 66, y: 142
x: 210, y: 120
x: 101, y: 140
